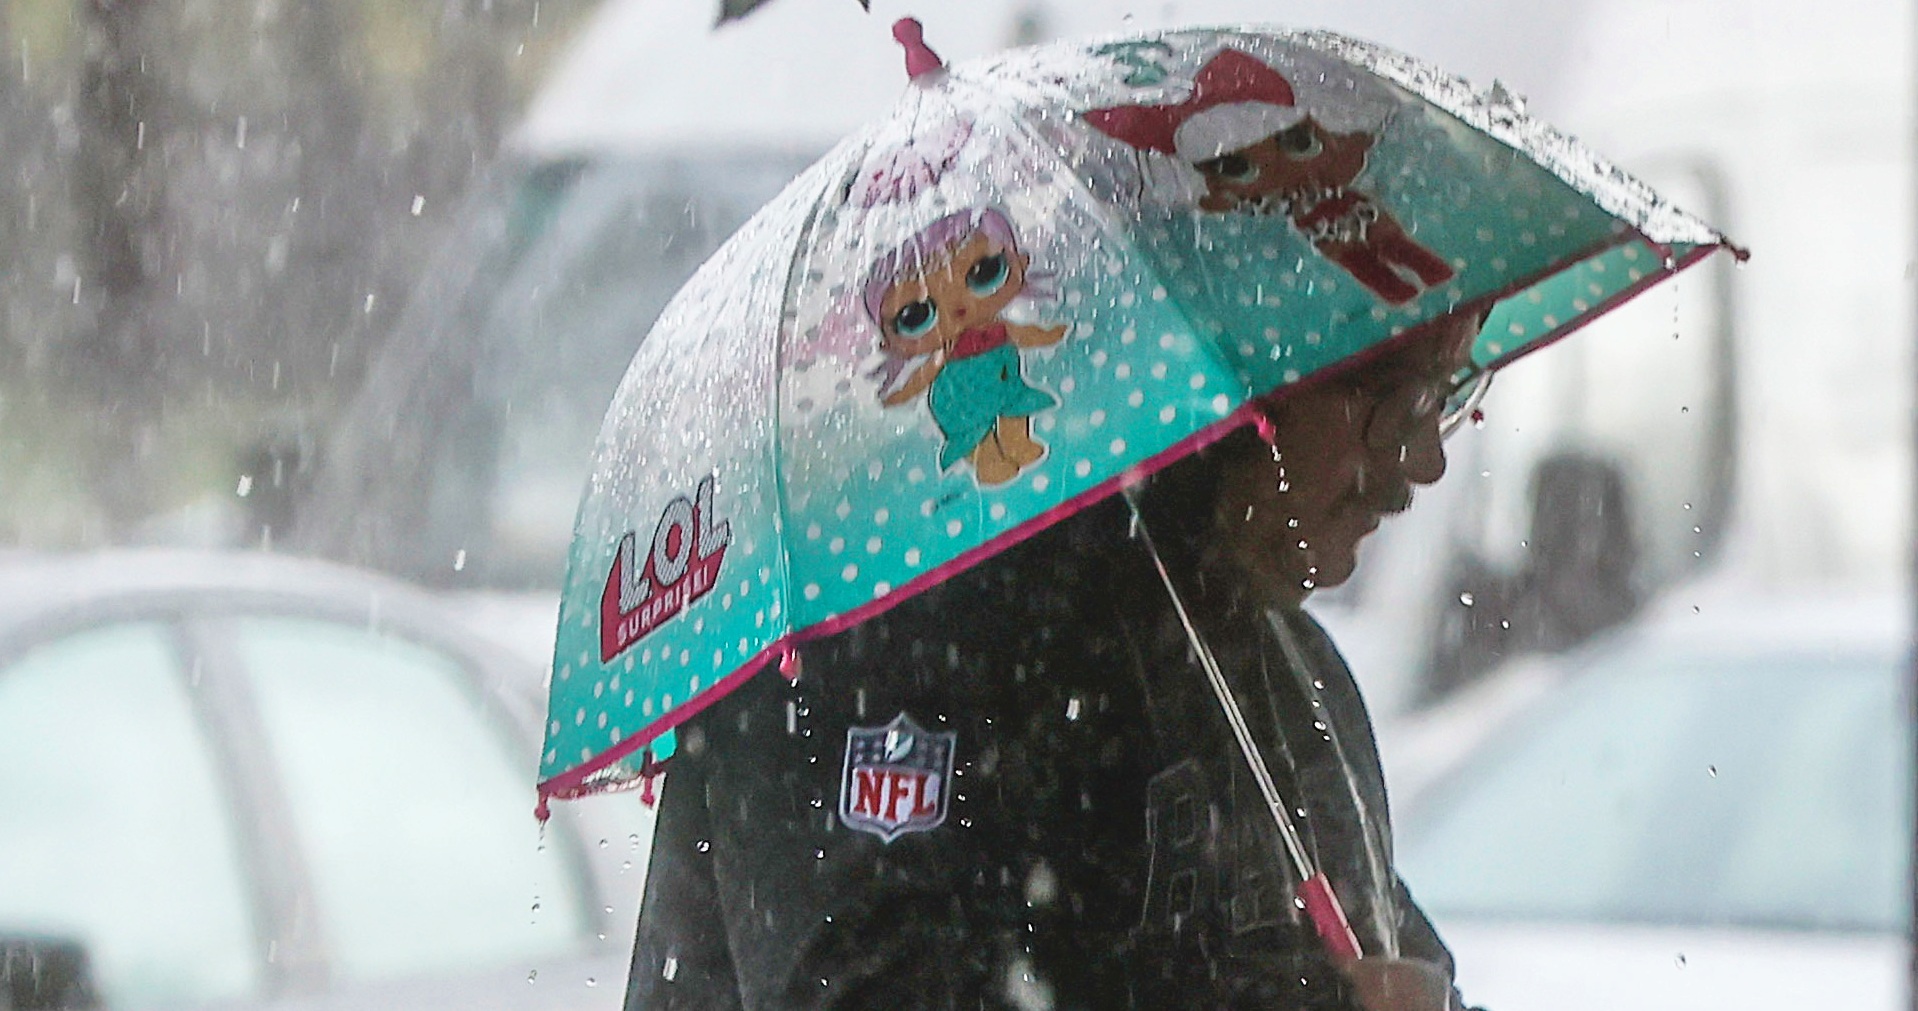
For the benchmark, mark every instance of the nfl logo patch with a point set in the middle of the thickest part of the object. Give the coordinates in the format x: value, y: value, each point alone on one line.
x: 896, y: 779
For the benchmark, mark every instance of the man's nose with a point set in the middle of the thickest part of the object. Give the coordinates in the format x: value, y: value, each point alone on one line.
x: 1422, y: 457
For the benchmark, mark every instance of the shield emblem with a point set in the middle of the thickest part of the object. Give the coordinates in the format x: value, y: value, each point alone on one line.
x: 897, y: 778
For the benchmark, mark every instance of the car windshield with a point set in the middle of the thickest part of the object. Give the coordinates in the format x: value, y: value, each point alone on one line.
x: 1766, y: 790
x: 499, y: 373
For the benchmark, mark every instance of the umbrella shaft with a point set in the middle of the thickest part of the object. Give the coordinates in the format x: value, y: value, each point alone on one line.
x: 1234, y: 716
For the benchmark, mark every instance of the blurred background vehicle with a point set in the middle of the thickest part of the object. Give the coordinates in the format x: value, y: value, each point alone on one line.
x: 202, y: 808
x: 1710, y: 810
x: 1605, y: 472
x: 644, y: 151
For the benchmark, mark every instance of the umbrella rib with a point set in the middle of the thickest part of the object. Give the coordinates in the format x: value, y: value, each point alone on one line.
x: 804, y: 246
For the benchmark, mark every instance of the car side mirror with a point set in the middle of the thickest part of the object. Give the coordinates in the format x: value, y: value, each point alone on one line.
x: 275, y: 471
x: 46, y: 974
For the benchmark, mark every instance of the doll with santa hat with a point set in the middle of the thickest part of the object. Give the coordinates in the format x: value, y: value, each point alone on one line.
x: 1259, y: 151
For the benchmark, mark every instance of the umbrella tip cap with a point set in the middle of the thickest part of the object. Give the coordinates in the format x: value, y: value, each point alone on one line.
x: 920, y: 59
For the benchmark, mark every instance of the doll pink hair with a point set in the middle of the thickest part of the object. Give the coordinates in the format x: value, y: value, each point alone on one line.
x: 917, y: 254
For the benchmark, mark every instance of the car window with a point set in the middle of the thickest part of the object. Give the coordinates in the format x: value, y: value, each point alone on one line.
x: 115, y: 831
x: 1769, y: 791
x: 412, y: 874
x: 462, y: 463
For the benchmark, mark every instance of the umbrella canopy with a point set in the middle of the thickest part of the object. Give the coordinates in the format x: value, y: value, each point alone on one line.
x: 1046, y: 274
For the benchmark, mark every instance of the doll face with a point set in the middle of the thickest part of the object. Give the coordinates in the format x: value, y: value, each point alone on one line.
x: 1300, y: 159
x: 967, y: 289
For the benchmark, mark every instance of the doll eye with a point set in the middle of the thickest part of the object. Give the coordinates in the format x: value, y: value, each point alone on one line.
x: 1301, y: 142
x: 1235, y: 168
x: 915, y: 318
x: 988, y: 274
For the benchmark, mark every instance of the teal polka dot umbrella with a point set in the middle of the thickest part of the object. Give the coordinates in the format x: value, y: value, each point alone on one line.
x: 1046, y: 274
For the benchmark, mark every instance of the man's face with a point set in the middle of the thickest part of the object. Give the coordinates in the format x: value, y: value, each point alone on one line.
x: 1345, y: 454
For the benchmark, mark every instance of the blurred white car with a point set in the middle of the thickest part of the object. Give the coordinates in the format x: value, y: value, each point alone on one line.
x: 1710, y: 810
x: 242, y: 781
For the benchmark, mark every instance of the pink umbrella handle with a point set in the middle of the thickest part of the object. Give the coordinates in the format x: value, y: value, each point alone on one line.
x: 1328, y: 918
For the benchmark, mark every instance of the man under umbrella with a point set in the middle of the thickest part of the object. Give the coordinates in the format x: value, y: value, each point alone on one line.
x: 1015, y: 790
x: 1053, y: 733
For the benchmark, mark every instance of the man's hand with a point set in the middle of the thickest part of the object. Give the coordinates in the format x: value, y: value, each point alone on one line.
x: 1399, y: 984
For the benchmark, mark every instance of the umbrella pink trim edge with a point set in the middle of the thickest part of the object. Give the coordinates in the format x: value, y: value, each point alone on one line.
x: 579, y: 781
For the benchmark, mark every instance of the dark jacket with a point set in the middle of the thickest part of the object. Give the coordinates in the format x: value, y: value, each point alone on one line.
x: 1102, y: 845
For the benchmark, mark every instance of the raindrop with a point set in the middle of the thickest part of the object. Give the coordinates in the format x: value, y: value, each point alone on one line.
x: 532, y: 976
x: 603, y: 843
x: 592, y: 981
x: 1467, y: 599
x: 459, y: 564
x: 419, y: 204
x: 1712, y: 771
x: 669, y: 969
x: 1680, y: 960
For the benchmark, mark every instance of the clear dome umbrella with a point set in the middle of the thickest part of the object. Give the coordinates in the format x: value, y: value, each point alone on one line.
x: 1044, y: 276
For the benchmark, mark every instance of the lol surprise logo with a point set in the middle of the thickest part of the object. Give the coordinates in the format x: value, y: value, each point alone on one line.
x: 937, y: 302
x: 681, y: 567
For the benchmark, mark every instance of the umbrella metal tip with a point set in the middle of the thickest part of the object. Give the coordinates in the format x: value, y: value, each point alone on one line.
x: 920, y: 59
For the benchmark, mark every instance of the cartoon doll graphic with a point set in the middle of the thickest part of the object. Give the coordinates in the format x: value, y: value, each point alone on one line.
x: 1259, y: 151
x: 938, y: 298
